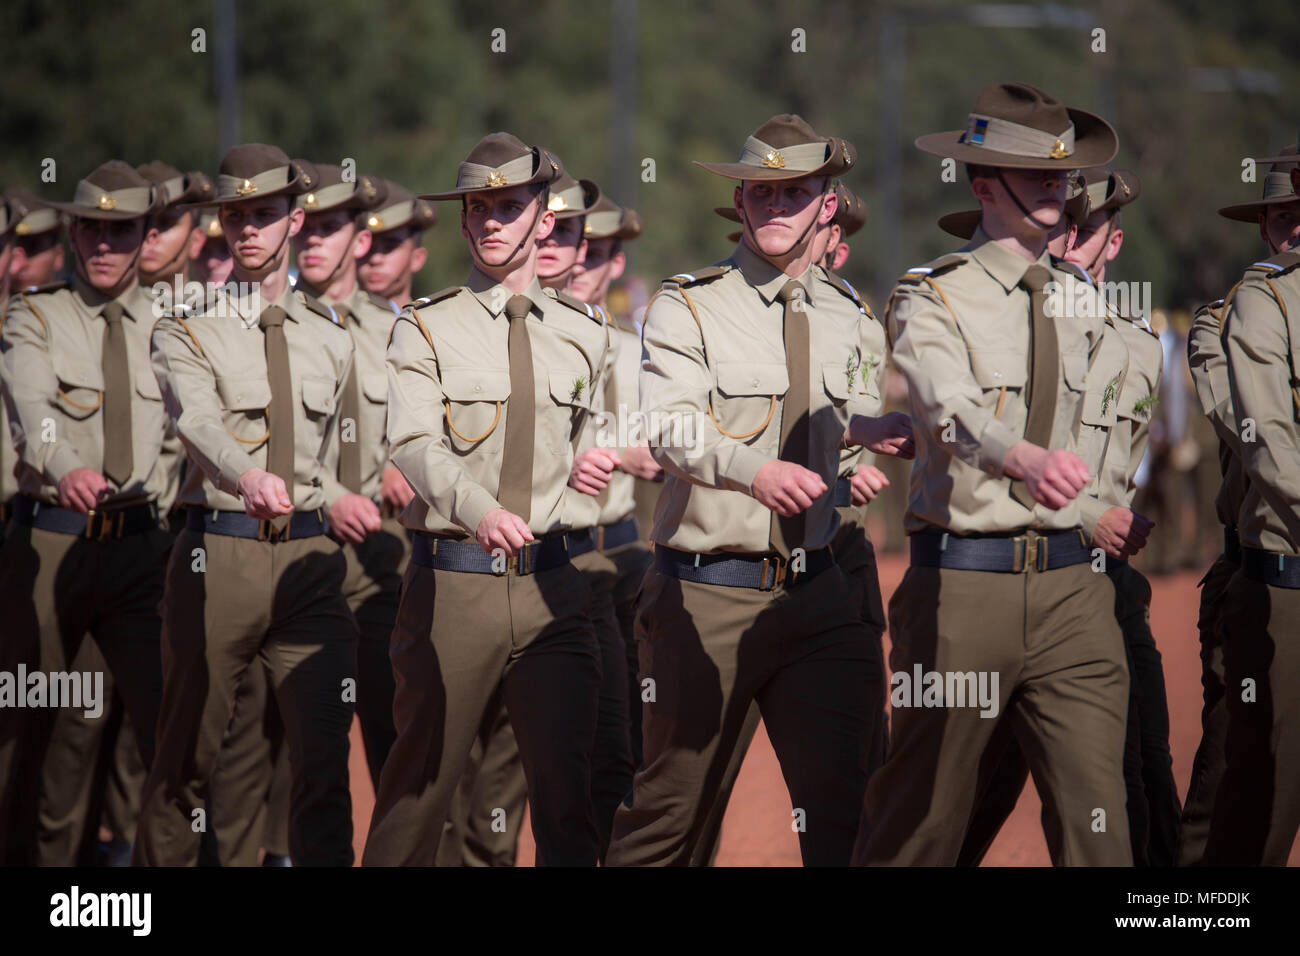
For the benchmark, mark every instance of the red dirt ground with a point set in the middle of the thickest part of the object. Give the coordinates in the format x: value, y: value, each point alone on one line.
x: 756, y: 830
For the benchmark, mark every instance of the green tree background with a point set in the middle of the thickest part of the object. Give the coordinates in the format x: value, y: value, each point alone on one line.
x: 406, y: 88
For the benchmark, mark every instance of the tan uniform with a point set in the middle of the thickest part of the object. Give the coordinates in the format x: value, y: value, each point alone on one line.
x: 465, y: 639
x: 1209, y: 368
x: 1257, y: 810
x: 233, y: 599
x: 65, y: 575
x: 714, y: 366
x: 967, y: 367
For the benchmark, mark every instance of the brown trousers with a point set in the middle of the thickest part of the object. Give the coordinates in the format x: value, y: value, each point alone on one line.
x: 280, y: 604
x: 491, y: 795
x: 462, y: 643
x: 857, y: 559
x: 1210, y: 760
x: 1062, y: 679
x: 55, y: 589
x: 804, y: 654
x: 1257, y: 808
x: 251, y: 755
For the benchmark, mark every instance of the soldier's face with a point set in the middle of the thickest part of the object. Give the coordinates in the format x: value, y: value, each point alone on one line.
x: 326, y: 240
x: 563, y: 249
x: 213, y: 263
x: 106, y: 249
x: 393, y: 258
x: 1280, y: 226
x: 256, y: 229
x: 44, y: 260
x: 780, y: 213
x: 604, y: 263
x: 168, y: 234
x: 1096, y: 243
x: 1041, y: 191
x: 498, y: 221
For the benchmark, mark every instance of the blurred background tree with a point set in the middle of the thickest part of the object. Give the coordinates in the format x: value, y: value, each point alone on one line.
x: 1192, y: 86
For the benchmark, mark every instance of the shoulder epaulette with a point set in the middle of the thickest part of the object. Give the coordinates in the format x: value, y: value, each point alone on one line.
x: 48, y: 287
x: 1279, y: 264
x: 698, y: 276
x: 604, y: 316
x: 576, y: 304
x: 919, y: 274
x: 438, y: 296
x: 379, y: 302
x: 842, y: 285
x: 316, y: 305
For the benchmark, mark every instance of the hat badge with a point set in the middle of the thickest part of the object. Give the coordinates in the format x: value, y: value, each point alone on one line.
x: 246, y: 188
x: 309, y: 199
x: 774, y: 160
x: 1059, y: 151
x: 107, y: 202
x: 557, y: 204
x: 374, y: 222
x: 367, y: 187
x: 22, y: 229
x: 496, y: 178
x: 586, y: 228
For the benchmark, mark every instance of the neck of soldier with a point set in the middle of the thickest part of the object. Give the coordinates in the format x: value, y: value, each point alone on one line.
x: 400, y: 293
x: 127, y: 280
x: 793, y: 263
x: 515, y: 275
x: 1008, y: 226
x: 340, y: 287
x: 270, y: 281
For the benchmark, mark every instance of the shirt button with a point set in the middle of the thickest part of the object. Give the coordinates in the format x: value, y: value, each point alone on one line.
x: 478, y: 388
x: 997, y: 374
x: 754, y: 383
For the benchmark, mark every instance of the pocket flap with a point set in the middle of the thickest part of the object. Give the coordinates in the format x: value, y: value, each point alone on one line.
x: 244, y: 394
x: 836, y: 378
x: 753, y: 378
x: 571, y: 388
x: 375, y: 386
x: 1074, y: 366
x: 476, y: 384
x: 999, y: 368
x: 146, y: 386
x: 318, y: 394
x: 77, y: 373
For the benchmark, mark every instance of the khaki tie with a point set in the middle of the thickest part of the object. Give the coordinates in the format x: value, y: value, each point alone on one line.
x: 350, y: 451
x: 117, y: 398
x: 279, y: 450
x: 1044, y: 372
x: 788, y: 533
x: 515, y: 491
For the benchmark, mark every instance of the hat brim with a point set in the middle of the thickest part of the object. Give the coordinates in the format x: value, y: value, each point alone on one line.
x: 728, y: 213
x: 94, y: 212
x: 542, y: 176
x: 1095, y: 144
x: 293, y: 187
x: 961, y: 224
x: 743, y: 171
x: 590, y: 196
x: 1250, y: 211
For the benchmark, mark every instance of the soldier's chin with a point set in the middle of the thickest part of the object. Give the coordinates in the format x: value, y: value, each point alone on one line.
x: 1046, y: 217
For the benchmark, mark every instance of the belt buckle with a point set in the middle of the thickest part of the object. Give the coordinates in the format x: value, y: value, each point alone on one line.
x: 1044, y: 546
x: 600, y: 537
x: 266, y: 531
x: 110, y: 526
x: 524, y: 562
x: 778, y: 565
x: 1024, y: 553
x: 90, y: 523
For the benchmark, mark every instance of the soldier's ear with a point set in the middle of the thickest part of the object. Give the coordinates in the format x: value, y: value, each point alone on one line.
x: 1114, y: 243
x: 419, y: 256
x: 545, y: 224
x: 296, y: 218
x: 361, y: 243
x: 1263, y: 233
x: 617, y: 263
x: 197, y: 238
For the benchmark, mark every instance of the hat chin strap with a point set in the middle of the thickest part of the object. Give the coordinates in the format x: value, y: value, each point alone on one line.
x: 81, y: 266
x: 1016, y: 199
x: 528, y: 233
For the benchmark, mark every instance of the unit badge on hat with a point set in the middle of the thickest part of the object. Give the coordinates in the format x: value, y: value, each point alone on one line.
x: 774, y: 160
x: 246, y: 188
x: 496, y: 178
x: 309, y: 200
x: 557, y: 204
x: 976, y: 132
x: 107, y: 202
x: 1059, y: 151
x: 374, y: 222
x: 367, y: 187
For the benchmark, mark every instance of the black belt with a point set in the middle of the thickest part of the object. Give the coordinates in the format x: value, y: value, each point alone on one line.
x: 1269, y: 567
x: 580, y: 542
x: 96, y: 525
x: 761, y: 572
x: 617, y: 534
x: 1008, y: 555
x: 448, y: 554
x: 842, y: 493
x: 1231, y: 547
x: 236, y: 524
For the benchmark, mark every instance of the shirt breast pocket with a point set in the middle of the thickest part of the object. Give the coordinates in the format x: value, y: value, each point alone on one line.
x: 245, y: 401
x: 473, y: 399
x: 375, y: 388
x: 570, y: 390
x: 318, y: 398
x: 745, y: 406
x: 998, y: 371
x: 81, y: 387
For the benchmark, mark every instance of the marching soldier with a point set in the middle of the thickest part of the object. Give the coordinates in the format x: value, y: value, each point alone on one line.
x: 859, y: 483
x: 1000, y: 583
x: 12, y: 260
x: 396, y: 254
x: 254, y: 384
x: 85, y: 553
x: 745, y: 601
x: 491, y: 607
x: 1277, y: 214
x: 212, y: 263
x: 38, y: 232
x: 173, y: 238
x: 1256, y: 811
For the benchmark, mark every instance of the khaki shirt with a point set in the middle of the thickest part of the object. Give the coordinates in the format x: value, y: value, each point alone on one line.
x: 54, y: 381
x: 449, y: 401
x: 8, y: 457
x: 212, y: 369
x: 964, y: 350
x: 1262, y: 352
x: 1209, y: 366
x: 371, y: 326
x: 618, y: 419
x: 733, y: 364
x: 873, y: 372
